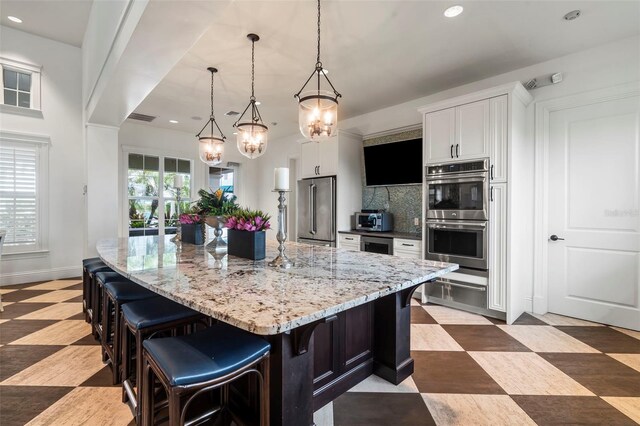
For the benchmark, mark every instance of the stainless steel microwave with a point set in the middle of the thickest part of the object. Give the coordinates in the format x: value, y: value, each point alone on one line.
x: 377, y: 222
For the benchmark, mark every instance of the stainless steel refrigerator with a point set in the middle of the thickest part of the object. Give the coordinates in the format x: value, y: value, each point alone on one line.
x: 317, y: 211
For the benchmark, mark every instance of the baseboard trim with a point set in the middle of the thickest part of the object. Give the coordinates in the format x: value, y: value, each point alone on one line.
x: 40, y: 275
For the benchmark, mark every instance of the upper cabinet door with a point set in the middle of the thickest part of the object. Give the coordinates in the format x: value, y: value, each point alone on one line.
x: 439, y: 134
x: 472, y: 130
x: 328, y: 157
x: 499, y: 139
x: 309, y: 159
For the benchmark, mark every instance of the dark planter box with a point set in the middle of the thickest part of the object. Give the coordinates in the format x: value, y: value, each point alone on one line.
x: 193, y: 233
x: 250, y: 245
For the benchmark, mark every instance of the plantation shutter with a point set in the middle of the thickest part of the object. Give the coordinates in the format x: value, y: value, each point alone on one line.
x: 18, y: 194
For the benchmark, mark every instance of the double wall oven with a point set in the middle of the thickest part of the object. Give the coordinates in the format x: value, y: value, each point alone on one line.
x: 457, y: 226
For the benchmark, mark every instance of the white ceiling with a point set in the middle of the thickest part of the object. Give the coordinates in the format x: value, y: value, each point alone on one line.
x: 60, y: 20
x: 379, y: 53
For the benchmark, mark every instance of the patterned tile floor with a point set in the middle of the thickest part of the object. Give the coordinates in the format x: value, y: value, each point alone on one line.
x: 469, y: 370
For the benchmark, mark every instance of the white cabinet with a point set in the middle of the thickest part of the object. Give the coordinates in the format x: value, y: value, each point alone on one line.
x: 439, y: 135
x: 472, y: 130
x: 498, y: 137
x: 319, y: 158
x: 458, y: 133
x: 492, y: 123
x: 498, y: 247
x: 349, y: 241
x: 407, y: 248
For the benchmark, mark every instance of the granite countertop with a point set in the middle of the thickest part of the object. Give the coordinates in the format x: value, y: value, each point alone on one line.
x: 390, y: 234
x: 258, y: 298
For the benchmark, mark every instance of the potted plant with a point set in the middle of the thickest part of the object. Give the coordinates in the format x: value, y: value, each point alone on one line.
x: 246, y: 233
x: 192, y: 228
x: 213, y: 206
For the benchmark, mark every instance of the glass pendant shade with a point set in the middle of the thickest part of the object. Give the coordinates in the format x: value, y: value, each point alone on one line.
x: 211, y: 149
x: 252, y: 139
x: 318, y: 109
x: 318, y: 115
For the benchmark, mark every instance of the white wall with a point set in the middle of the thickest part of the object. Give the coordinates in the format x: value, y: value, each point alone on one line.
x: 183, y: 145
x: 62, y: 122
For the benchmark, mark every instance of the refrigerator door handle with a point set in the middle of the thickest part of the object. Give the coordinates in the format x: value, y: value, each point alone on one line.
x: 312, y: 209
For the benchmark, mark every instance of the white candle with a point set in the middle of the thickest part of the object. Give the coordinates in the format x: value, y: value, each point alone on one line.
x: 178, y: 181
x: 281, y: 179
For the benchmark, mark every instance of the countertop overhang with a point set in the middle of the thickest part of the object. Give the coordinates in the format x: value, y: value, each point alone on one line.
x: 258, y: 298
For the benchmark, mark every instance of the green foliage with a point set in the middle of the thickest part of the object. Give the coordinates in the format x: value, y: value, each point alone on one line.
x: 215, y: 203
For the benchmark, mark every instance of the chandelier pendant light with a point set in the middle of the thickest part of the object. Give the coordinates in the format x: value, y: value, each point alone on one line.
x: 251, y: 138
x: 318, y: 109
x: 211, y: 146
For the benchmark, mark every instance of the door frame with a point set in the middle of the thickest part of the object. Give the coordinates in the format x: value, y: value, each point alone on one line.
x: 543, y: 112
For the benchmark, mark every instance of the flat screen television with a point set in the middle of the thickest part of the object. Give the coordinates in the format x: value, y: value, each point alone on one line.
x: 396, y: 163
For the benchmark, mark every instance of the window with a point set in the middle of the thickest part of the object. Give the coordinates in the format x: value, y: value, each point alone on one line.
x: 20, y: 92
x: 221, y: 177
x: 22, y: 199
x: 17, y: 88
x: 146, y: 194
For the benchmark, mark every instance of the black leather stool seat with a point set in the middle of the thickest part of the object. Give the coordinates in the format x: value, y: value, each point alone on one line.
x: 109, y: 276
x: 127, y: 291
x: 90, y: 260
x: 152, y: 312
x: 95, y: 267
x: 205, y: 355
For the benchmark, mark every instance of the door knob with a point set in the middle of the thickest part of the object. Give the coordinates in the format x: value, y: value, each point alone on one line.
x: 555, y: 238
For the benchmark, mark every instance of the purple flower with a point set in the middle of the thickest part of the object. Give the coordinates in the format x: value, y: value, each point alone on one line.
x: 231, y: 222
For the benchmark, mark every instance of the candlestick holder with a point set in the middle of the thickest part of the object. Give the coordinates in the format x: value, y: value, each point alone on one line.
x: 282, y: 261
x: 178, y: 236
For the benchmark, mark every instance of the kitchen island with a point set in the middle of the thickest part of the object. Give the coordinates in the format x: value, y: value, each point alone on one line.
x: 335, y: 318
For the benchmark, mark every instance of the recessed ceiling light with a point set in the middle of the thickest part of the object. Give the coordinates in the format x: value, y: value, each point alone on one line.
x: 453, y: 11
x: 173, y: 121
x: 574, y: 14
x: 195, y: 117
x: 235, y: 133
x: 258, y: 103
x: 15, y: 19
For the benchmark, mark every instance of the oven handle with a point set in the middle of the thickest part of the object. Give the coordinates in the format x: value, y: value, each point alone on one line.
x: 455, y: 225
x: 468, y: 287
x: 467, y: 178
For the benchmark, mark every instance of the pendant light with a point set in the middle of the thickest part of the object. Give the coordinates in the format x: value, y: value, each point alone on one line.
x: 318, y: 109
x: 211, y: 146
x: 252, y: 134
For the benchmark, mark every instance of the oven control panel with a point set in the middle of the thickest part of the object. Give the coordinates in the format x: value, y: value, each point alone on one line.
x: 454, y: 168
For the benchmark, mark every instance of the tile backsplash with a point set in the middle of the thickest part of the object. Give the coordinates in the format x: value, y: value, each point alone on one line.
x: 404, y: 201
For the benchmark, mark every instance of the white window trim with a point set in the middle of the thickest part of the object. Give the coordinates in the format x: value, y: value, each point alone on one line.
x: 124, y: 181
x: 36, y: 88
x: 41, y: 248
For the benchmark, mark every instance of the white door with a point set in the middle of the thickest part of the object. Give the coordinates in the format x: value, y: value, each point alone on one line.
x: 439, y: 134
x: 593, y: 193
x: 472, y: 130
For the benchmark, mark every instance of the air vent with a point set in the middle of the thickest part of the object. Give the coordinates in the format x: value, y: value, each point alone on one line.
x: 141, y: 117
x: 231, y: 113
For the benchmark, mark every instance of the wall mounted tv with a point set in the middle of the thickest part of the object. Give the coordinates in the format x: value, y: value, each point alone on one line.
x: 396, y: 163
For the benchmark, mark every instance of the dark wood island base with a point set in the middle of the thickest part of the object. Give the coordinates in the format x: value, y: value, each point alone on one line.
x: 314, y: 364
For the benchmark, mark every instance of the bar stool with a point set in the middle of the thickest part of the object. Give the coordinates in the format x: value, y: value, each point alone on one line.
x: 100, y: 279
x: 142, y: 320
x: 85, y: 279
x: 88, y: 285
x: 188, y: 366
x: 115, y: 294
